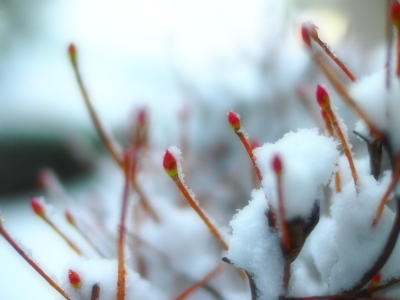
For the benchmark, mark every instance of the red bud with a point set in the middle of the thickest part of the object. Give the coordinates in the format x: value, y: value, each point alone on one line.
x: 277, y: 164
x: 308, y: 32
x: 72, y: 52
x: 234, y: 120
x: 322, y: 98
x: 74, y: 279
x: 395, y: 14
x: 170, y: 164
x: 38, y: 206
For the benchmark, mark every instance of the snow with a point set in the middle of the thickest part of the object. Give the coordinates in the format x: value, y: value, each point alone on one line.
x: 379, y: 103
x: 308, y: 162
x: 353, y: 233
x: 254, y: 247
x: 344, y: 244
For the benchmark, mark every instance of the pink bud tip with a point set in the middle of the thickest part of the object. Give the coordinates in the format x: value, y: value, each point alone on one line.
x: 277, y: 164
x: 38, y: 206
x: 170, y: 164
x: 395, y: 13
x: 69, y: 217
x: 322, y: 98
x: 74, y: 279
x: 72, y: 51
x: 234, y: 120
x: 308, y: 32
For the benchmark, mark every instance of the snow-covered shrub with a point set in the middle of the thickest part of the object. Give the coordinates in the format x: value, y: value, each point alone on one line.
x: 319, y: 222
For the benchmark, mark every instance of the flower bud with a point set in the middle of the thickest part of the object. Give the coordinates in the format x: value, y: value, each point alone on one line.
x: 170, y: 164
x: 234, y: 120
x: 322, y: 98
x: 74, y: 279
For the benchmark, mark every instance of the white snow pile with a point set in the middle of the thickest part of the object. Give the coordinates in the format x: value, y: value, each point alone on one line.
x: 254, y: 247
x: 380, y: 104
x: 346, y: 244
x: 308, y: 162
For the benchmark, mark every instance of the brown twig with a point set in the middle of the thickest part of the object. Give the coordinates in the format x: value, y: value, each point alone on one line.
x: 395, y: 178
x: 21, y: 252
x: 193, y: 203
x: 328, y: 125
x: 95, y: 292
x: 337, y: 60
x: 234, y: 121
x: 93, y: 115
x: 71, y: 220
x: 341, y: 90
x: 324, y: 102
x: 375, y: 154
x: 62, y: 235
x: 39, y: 208
x: 121, y: 282
x: 102, y: 134
x: 203, y: 281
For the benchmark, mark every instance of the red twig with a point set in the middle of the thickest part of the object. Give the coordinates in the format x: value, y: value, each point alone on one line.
x: 203, y: 281
x: 121, y: 282
x: 21, y: 252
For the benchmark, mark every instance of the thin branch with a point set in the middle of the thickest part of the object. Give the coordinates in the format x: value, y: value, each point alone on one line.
x: 341, y: 90
x: 337, y: 60
x: 95, y: 292
x: 21, y: 252
x: 121, y: 282
x: 203, y: 281
x: 96, y: 121
x: 102, y: 133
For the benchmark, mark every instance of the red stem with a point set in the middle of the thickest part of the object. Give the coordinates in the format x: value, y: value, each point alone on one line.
x: 338, y: 62
x: 390, y: 188
x: 201, y: 213
x: 32, y: 263
x: 121, y: 282
x: 246, y: 145
x: 203, y: 281
x: 62, y: 235
x: 341, y: 90
x: 104, y: 137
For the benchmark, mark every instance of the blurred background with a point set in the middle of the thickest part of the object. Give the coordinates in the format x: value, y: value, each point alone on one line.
x: 188, y: 62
